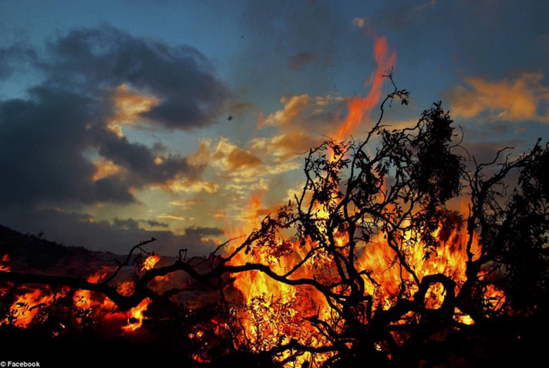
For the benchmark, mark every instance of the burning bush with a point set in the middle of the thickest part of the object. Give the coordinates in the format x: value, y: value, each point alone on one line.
x: 374, y: 263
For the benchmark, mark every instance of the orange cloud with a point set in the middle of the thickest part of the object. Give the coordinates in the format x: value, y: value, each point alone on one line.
x: 519, y: 99
x: 293, y: 105
x: 173, y: 217
x: 186, y: 203
x: 202, y: 155
x: 306, y: 114
x: 229, y: 157
x: 189, y: 186
x: 105, y: 168
x: 284, y: 146
x: 129, y: 106
x: 239, y: 158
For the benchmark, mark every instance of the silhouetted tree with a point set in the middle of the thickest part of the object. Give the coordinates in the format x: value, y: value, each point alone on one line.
x: 390, y: 193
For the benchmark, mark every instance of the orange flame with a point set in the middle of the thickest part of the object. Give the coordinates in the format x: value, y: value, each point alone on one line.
x: 4, y: 263
x: 150, y: 262
x: 360, y: 108
x: 27, y: 306
x: 135, y: 321
x: 83, y: 298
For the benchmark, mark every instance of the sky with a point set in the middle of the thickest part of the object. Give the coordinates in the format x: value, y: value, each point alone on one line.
x: 125, y: 120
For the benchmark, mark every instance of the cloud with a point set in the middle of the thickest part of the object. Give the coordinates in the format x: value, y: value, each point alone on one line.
x: 520, y: 99
x: 236, y: 166
x: 105, y: 168
x: 181, y: 80
x: 285, y: 146
x: 191, y: 186
x: 129, y: 105
x: 142, y: 165
x: 154, y: 223
x: 228, y: 157
x: 41, y: 150
x: 61, y: 145
x: 131, y: 224
x: 117, y: 236
x: 172, y: 217
x: 306, y: 114
x: 187, y: 203
x: 15, y: 58
x: 195, y: 231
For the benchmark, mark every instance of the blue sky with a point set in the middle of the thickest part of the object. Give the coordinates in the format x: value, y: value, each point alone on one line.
x: 121, y: 120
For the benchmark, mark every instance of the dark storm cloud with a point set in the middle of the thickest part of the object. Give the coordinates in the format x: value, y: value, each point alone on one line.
x: 131, y: 224
x: 181, y: 77
x: 46, y: 139
x: 14, y: 58
x: 41, y: 143
x: 154, y: 223
x: 197, y: 232
x: 139, y: 161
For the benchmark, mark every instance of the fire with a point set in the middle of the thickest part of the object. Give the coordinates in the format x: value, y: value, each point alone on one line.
x: 135, y: 319
x: 150, y: 262
x: 83, y: 299
x: 28, y: 305
x: 4, y: 263
x: 271, y: 313
x: 275, y: 313
x: 360, y: 108
x: 449, y: 260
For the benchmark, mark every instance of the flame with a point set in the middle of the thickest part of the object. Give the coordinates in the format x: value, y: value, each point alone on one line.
x: 360, y: 108
x: 272, y: 313
x: 4, y: 263
x: 449, y: 259
x: 26, y: 307
x: 135, y: 320
x: 83, y: 298
x: 150, y: 262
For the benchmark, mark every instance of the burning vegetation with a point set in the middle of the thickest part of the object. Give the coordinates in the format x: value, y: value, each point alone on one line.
x: 400, y: 250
